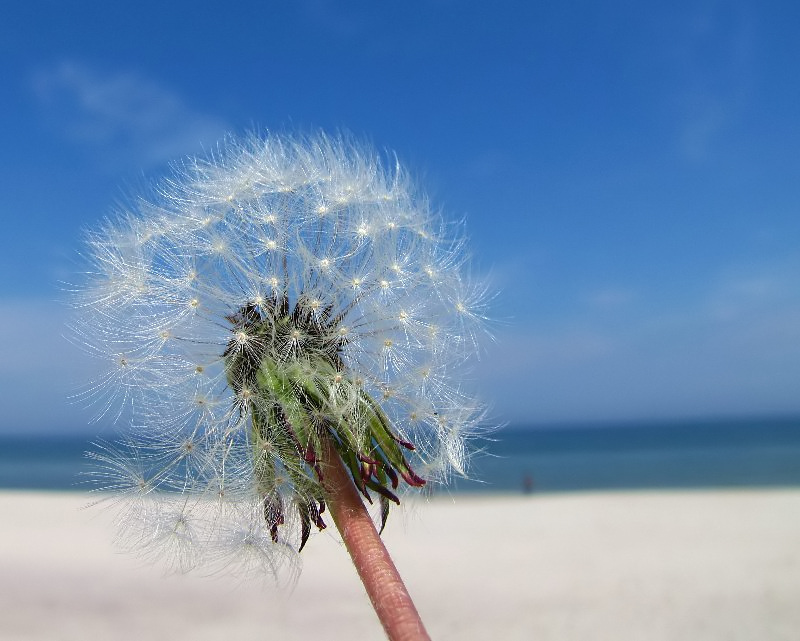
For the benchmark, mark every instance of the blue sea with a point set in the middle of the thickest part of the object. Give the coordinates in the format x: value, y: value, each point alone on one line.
x: 702, y: 454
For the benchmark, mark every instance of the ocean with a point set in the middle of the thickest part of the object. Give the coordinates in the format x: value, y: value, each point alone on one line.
x: 700, y: 454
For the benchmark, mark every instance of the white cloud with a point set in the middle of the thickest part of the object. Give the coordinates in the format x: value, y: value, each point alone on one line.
x: 713, y: 56
x: 124, y: 114
x: 32, y: 338
x: 734, y: 350
x: 705, y: 120
x: 609, y: 297
x: 39, y: 368
x: 335, y: 18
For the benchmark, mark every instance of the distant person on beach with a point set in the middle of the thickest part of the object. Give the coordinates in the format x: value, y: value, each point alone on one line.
x: 527, y: 484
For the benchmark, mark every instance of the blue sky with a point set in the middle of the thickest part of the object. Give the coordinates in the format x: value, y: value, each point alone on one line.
x: 629, y: 173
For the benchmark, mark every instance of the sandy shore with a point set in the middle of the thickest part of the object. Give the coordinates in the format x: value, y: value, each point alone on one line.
x: 653, y: 565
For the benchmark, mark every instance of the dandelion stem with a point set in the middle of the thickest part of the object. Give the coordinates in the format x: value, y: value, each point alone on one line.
x: 380, y: 577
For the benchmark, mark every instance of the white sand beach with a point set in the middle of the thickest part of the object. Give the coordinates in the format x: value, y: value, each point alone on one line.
x: 699, y: 565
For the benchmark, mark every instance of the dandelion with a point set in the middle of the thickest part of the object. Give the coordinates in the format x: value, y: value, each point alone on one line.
x: 286, y: 323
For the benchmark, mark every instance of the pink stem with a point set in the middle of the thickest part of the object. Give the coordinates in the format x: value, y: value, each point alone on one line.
x: 380, y: 577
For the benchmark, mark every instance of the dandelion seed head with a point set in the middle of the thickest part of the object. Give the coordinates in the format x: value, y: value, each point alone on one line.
x: 278, y: 290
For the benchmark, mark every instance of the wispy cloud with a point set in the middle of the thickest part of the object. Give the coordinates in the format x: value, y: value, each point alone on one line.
x: 334, y: 18
x: 609, y: 297
x: 742, y: 292
x: 713, y: 55
x: 129, y: 117
x: 39, y: 368
x: 735, y: 349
